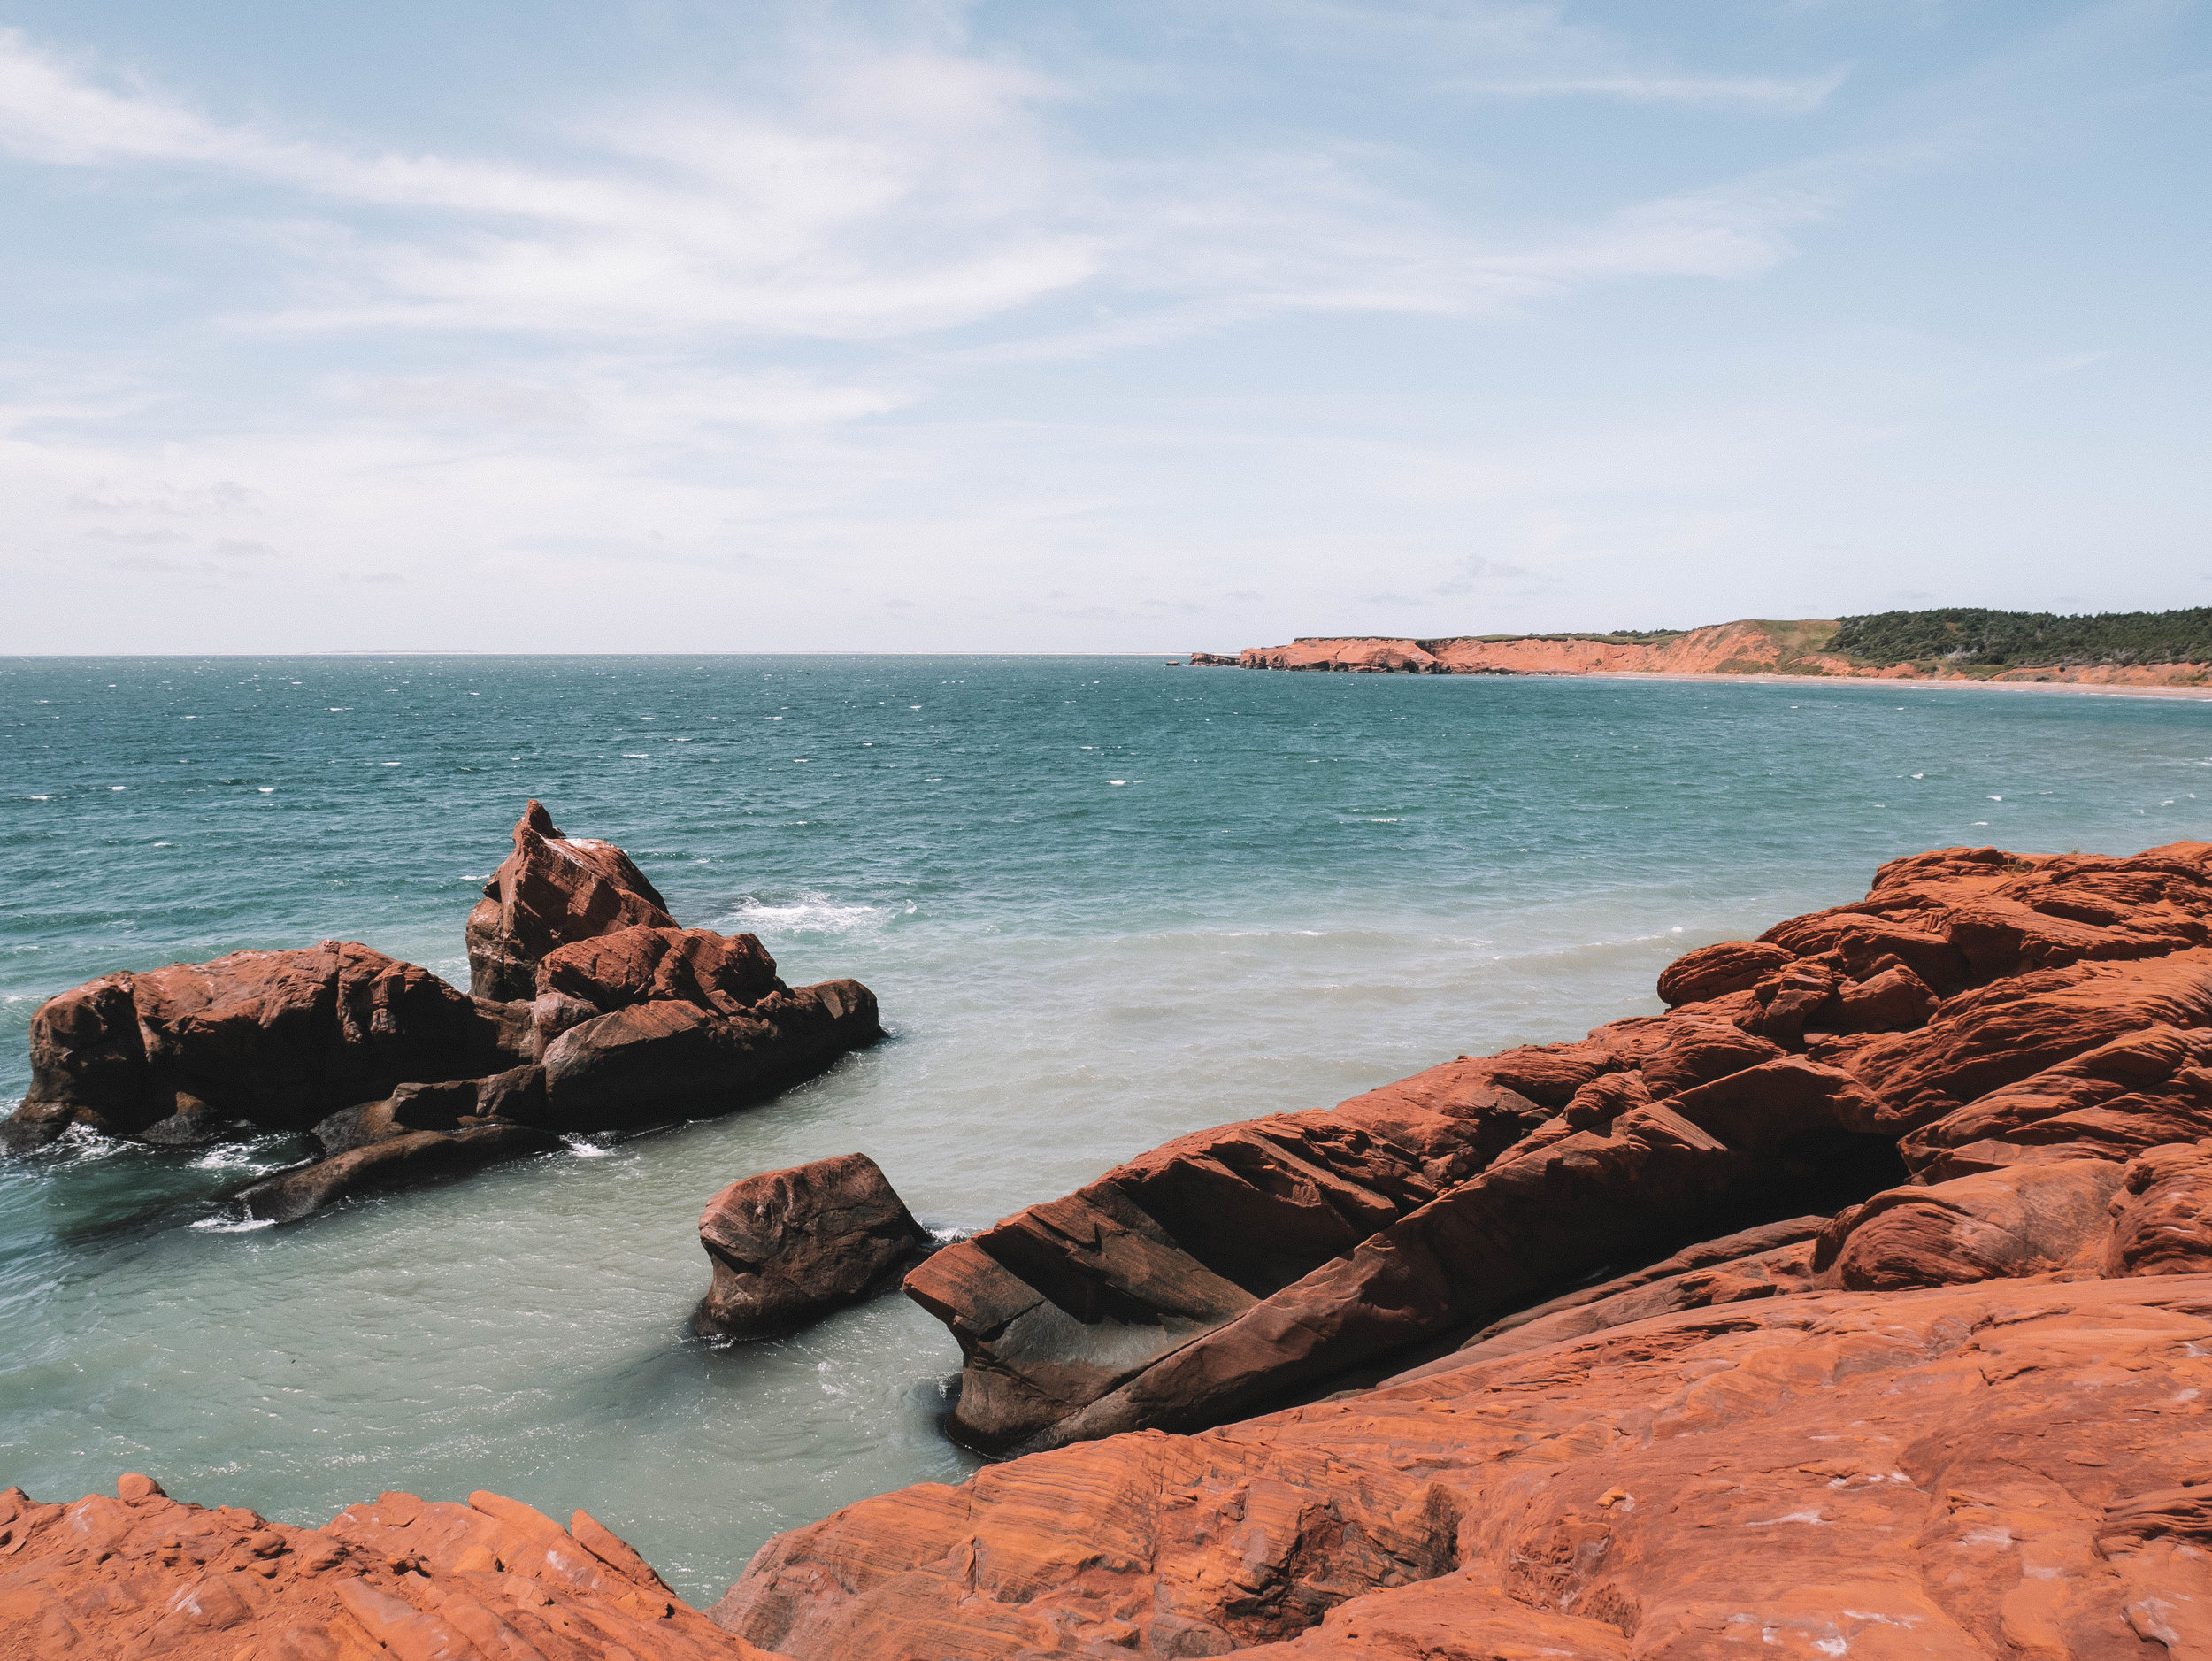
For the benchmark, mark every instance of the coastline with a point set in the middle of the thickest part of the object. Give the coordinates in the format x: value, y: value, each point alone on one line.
x: 1923, y: 683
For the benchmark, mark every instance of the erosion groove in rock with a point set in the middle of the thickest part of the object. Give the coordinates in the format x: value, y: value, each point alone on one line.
x: 494, y: 1579
x: 1979, y: 1013
x: 594, y: 1011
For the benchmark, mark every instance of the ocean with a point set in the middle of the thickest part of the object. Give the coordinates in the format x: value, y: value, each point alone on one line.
x: 1102, y: 901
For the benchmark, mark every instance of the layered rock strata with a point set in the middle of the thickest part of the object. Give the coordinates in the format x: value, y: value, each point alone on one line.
x: 789, y: 1245
x: 2011, y: 1469
x: 141, y: 1574
x: 626, y: 1020
x: 1977, y: 1013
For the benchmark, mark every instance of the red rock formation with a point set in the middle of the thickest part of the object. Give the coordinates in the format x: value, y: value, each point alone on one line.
x: 727, y: 973
x: 491, y: 1580
x: 631, y: 1022
x: 2013, y: 1469
x: 271, y: 1038
x: 1992, y: 1012
x: 789, y: 1245
x: 552, y: 890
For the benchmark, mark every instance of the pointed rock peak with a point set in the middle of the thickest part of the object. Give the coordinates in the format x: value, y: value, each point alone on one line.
x: 538, y: 819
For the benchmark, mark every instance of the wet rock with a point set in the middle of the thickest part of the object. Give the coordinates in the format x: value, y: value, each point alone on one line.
x: 552, y: 890
x: 789, y: 1245
x: 654, y: 1062
x: 389, y: 1162
x: 273, y: 1039
x: 491, y: 1580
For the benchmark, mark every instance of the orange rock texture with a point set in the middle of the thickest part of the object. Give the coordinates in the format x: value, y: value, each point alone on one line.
x: 1748, y: 647
x: 1961, y: 1413
x: 143, y: 1574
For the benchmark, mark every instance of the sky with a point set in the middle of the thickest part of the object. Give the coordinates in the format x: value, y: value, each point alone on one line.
x: 659, y: 327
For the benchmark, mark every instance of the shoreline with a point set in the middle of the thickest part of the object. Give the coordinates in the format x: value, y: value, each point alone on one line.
x: 1917, y: 683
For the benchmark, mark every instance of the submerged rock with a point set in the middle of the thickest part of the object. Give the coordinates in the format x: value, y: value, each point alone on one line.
x: 619, y: 1020
x: 494, y: 1579
x: 790, y: 1245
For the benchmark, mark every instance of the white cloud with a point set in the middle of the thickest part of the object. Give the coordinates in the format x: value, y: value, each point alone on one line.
x: 1781, y: 95
x: 896, y: 193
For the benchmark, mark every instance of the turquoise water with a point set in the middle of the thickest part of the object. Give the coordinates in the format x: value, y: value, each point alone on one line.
x: 1102, y: 903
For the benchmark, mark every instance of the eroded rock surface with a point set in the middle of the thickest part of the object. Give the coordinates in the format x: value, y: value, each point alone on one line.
x: 614, y: 1018
x: 1977, y: 1013
x: 2003, y: 1470
x: 790, y: 1245
x: 141, y: 1574
x: 550, y: 891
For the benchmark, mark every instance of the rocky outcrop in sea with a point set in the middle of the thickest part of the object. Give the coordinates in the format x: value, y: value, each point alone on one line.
x: 601, y: 1015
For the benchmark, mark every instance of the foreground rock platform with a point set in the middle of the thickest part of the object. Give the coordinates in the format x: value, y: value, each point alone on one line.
x: 1978, y: 1016
x: 2007, y: 1469
x: 603, y: 1015
x: 141, y: 1574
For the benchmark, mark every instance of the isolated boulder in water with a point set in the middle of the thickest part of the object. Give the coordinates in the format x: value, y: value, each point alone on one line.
x: 276, y: 1039
x: 789, y: 1245
x: 552, y: 890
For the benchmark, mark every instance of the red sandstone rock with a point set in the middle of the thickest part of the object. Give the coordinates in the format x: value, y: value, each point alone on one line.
x: 2001, y: 1470
x: 491, y: 1580
x: 276, y: 1039
x: 789, y: 1245
x: 727, y: 973
x: 654, y: 1062
x: 1733, y: 966
x: 552, y: 890
x: 1991, y: 1009
x: 631, y: 1022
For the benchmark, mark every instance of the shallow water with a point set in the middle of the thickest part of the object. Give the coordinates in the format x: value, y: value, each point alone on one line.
x: 1102, y: 903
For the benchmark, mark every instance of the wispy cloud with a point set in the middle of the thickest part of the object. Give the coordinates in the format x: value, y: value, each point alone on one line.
x: 1780, y: 94
x: 895, y: 194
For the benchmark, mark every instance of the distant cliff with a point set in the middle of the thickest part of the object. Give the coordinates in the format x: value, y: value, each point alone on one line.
x: 2164, y: 649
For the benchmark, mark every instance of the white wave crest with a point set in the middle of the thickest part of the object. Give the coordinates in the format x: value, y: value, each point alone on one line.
x: 804, y: 914
x: 234, y: 1224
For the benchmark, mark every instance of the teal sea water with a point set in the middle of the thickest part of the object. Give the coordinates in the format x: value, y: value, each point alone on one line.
x: 1103, y: 901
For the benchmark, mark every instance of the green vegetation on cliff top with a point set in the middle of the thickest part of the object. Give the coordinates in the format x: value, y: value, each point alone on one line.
x: 1967, y: 637
x: 1974, y: 638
